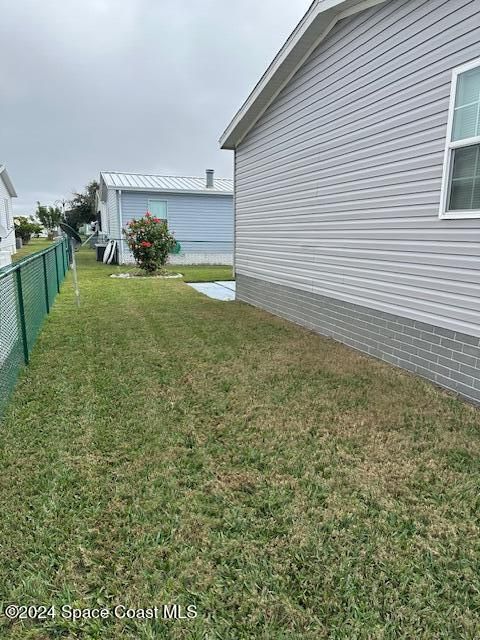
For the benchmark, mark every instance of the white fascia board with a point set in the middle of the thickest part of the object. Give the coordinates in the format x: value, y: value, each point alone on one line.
x: 8, y: 183
x: 179, y: 191
x: 102, y: 188
x: 312, y: 29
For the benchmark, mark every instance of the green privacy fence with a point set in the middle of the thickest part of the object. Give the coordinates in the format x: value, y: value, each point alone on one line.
x: 27, y: 291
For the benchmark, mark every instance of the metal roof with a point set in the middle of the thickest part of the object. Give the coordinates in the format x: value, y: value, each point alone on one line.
x: 7, y: 181
x: 141, y: 182
x: 309, y: 33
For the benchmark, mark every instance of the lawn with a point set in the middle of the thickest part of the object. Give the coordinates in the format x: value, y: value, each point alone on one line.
x: 190, y: 273
x: 205, y: 273
x: 163, y: 447
x: 35, y: 244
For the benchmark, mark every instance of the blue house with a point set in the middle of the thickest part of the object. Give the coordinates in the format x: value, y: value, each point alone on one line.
x: 199, y: 212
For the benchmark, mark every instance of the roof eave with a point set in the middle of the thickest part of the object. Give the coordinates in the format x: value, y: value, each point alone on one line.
x: 312, y: 29
x: 106, y: 183
x: 203, y: 192
x: 102, y: 187
x: 8, y: 182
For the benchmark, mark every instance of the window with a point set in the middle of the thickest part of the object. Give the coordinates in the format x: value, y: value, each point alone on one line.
x: 461, y: 172
x: 158, y: 208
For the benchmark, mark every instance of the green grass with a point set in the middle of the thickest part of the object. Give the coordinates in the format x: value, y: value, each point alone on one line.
x: 164, y: 447
x: 190, y: 273
x: 205, y: 273
x: 35, y: 244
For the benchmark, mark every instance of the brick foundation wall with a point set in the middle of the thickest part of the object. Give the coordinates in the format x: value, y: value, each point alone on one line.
x: 446, y: 357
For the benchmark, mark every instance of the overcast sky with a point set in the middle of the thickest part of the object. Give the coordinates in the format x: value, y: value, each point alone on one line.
x: 126, y: 85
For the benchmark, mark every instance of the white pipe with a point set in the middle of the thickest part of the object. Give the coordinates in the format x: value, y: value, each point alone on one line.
x: 120, y: 242
x: 75, y: 277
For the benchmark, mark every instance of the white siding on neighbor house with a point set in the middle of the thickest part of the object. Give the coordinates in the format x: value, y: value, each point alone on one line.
x: 113, y: 222
x: 338, y: 184
x: 6, y: 219
x: 101, y: 208
x: 201, y: 223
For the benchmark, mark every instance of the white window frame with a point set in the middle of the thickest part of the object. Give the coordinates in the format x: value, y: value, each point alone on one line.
x: 159, y: 200
x: 451, y: 146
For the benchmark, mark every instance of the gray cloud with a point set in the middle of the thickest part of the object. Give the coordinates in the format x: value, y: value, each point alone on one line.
x: 135, y: 85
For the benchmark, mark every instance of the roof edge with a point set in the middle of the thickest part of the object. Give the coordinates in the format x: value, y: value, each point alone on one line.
x: 104, y: 186
x: 204, y: 192
x: 315, y: 25
x: 160, y: 175
x: 8, y: 182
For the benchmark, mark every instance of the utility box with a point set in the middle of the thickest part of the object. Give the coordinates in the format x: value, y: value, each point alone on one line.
x: 100, y: 249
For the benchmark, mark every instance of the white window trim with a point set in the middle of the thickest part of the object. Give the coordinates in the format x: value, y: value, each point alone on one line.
x: 450, y: 146
x: 159, y: 200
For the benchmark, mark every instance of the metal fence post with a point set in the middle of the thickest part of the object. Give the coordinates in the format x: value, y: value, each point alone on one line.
x: 64, y: 261
x: 21, y: 308
x: 56, y: 269
x: 24, y: 306
x: 45, y: 279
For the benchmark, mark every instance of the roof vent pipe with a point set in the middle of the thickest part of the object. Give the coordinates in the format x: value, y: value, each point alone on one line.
x: 209, y: 176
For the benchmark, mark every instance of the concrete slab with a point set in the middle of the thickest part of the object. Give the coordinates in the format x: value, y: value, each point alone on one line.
x: 215, y: 290
x: 230, y: 284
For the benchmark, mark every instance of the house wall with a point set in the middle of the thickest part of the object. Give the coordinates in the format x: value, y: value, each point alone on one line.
x: 101, y: 207
x: 203, y: 224
x: 112, y: 229
x: 103, y: 216
x: 6, y: 219
x: 338, y: 190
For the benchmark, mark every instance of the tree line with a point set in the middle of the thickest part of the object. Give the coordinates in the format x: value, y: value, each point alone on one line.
x: 81, y: 210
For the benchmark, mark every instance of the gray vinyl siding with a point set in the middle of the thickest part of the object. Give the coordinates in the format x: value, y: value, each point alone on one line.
x: 449, y: 358
x: 201, y: 223
x: 337, y: 187
x: 113, y: 227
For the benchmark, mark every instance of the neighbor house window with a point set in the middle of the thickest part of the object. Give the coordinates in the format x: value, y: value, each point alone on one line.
x: 461, y: 173
x: 158, y: 208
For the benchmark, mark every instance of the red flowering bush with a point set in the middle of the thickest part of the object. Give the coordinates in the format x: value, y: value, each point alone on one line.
x: 150, y: 242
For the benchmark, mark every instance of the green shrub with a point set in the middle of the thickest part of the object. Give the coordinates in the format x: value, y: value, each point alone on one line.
x: 150, y: 242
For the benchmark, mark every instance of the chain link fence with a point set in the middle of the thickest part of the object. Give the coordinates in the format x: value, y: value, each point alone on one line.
x: 27, y: 291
